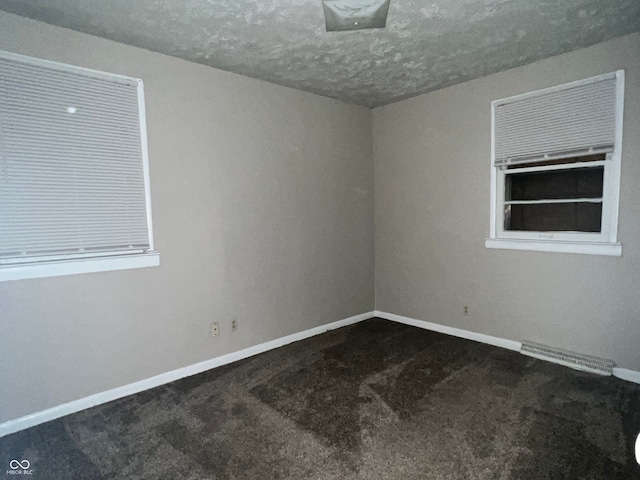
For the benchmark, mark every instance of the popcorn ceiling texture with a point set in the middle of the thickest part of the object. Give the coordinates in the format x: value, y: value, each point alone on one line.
x: 426, y: 46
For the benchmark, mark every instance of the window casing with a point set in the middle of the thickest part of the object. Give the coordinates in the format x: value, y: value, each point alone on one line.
x: 555, y: 172
x: 74, y: 175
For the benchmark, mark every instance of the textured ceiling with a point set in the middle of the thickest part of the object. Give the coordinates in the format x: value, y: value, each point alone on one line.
x: 426, y: 45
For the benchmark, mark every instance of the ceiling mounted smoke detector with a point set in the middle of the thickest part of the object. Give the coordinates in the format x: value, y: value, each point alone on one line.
x: 355, y: 14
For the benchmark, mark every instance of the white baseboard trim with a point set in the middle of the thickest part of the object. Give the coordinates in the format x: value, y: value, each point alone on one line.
x: 456, y: 332
x: 74, y: 406
x: 625, y: 374
x: 621, y: 373
x: 53, y: 413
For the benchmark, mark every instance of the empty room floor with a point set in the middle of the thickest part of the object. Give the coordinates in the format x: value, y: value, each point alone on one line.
x: 376, y: 400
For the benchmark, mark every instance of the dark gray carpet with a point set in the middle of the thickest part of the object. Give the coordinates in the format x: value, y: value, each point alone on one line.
x: 377, y: 400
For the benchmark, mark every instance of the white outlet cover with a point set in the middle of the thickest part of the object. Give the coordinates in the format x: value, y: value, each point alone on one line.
x: 215, y: 329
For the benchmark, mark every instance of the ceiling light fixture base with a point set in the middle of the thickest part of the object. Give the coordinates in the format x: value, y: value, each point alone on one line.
x: 343, y: 15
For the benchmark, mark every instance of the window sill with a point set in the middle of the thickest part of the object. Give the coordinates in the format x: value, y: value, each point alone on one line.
x: 586, y: 248
x: 84, y: 265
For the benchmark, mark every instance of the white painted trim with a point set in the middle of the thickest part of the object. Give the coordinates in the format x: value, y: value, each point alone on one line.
x: 81, y: 265
x: 622, y: 373
x: 565, y: 166
x: 53, y: 413
x: 456, y: 332
x: 616, y: 167
x: 142, y: 114
x: 493, y: 181
x: 626, y: 374
x: 558, y: 246
x: 58, y: 411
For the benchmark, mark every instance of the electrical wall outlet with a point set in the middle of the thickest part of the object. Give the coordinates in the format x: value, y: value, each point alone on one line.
x: 215, y: 329
x: 234, y: 325
x: 466, y: 311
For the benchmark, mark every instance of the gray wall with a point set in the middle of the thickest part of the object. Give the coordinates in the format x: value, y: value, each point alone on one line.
x: 263, y: 211
x: 432, y: 170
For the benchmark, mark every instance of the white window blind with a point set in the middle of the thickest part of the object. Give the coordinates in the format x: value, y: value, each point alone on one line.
x: 72, y: 165
x: 573, y: 120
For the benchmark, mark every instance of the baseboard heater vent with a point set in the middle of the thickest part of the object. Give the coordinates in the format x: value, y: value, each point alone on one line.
x: 569, y: 359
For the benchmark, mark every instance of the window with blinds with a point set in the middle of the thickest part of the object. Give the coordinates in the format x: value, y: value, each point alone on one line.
x: 568, y: 122
x: 74, y: 181
x: 556, y: 167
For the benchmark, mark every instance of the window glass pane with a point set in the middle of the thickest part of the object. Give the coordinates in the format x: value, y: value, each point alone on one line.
x: 557, y: 184
x: 554, y: 217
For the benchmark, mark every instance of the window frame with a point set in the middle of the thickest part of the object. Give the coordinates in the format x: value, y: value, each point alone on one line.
x: 603, y: 243
x: 100, y: 261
